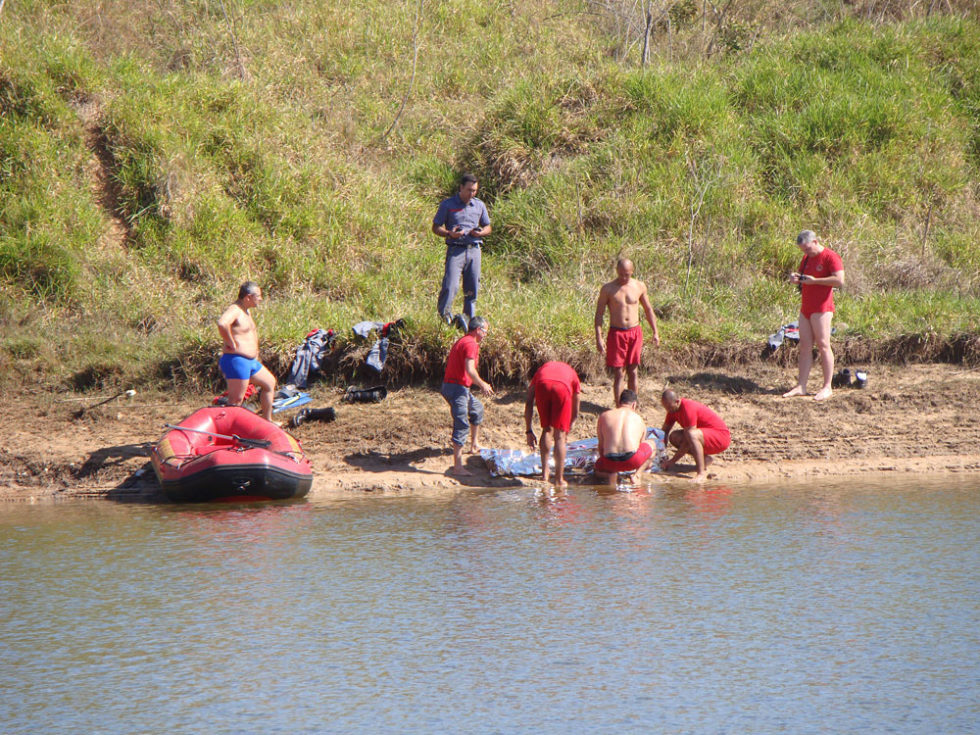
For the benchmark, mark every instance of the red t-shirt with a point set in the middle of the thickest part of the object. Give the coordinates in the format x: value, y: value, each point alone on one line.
x: 558, y: 372
x: 819, y: 298
x: 695, y: 415
x: 466, y: 348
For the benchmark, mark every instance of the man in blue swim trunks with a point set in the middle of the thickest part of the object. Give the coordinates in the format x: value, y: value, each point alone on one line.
x: 239, y: 358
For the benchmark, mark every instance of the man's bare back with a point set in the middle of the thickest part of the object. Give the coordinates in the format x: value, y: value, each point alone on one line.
x: 238, y: 332
x: 620, y: 430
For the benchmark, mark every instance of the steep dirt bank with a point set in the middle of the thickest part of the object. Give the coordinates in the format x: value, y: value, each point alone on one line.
x: 919, y: 418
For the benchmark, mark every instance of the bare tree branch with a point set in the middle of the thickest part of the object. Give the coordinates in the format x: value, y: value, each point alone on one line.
x: 646, y: 35
x: 701, y: 180
x: 411, y: 82
x: 242, y: 71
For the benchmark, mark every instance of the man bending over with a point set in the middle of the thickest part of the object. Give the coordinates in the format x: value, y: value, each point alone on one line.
x: 555, y: 389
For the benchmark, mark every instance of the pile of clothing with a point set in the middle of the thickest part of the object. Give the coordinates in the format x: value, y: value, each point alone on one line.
x: 378, y: 353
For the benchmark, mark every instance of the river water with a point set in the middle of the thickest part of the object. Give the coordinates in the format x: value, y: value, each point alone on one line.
x: 800, y: 609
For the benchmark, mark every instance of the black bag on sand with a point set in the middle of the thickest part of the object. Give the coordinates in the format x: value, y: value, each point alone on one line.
x: 365, y: 395
x: 313, y: 414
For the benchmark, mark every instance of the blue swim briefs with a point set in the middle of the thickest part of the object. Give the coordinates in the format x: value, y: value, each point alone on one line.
x: 238, y: 367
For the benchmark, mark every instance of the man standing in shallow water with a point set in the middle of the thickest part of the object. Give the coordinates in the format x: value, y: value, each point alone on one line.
x: 821, y: 271
x: 555, y: 390
x: 239, y: 359
x: 624, y: 342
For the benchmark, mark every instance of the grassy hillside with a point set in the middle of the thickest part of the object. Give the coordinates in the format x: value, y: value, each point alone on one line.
x: 153, y: 156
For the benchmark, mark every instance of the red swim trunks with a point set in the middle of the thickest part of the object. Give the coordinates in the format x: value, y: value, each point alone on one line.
x: 641, y: 455
x: 716, y: 441
x: 555, y: 384
x: 623, y: 346
x: 554, y: 402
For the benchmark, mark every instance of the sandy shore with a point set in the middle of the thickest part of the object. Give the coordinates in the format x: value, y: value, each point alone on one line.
x: 910, y: 419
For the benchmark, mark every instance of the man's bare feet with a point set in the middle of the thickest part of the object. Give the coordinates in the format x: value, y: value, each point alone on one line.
x: 562, y: 483
x: 474, y: 449
x: 823, y: 395
x: 798, y: 390
x: 459, y: 472
x: 700, y: 478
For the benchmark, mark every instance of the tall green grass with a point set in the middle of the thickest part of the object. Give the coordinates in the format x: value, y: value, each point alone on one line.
x: 254, y: 146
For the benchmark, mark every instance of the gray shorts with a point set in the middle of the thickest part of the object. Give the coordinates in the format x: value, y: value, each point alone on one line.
x: 465, y: 408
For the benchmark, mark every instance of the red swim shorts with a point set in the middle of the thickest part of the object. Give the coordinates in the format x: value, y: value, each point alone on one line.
x: 715, y: 440
x: 554, y: 402
x: 623, y: 346
x: 641, y: 455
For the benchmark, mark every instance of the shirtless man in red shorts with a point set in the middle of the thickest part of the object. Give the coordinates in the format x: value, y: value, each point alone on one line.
x: 821, y: 271
x: 555, y: 389
x: 621, y: 434
x: 702, y: 432
x: 624, y: 343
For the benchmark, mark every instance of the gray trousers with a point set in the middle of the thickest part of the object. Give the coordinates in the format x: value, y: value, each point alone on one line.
x: 465, y: 408
x: 460, y: 261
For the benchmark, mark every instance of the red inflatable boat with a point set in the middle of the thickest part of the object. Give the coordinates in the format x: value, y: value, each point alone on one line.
x: 230, y: 453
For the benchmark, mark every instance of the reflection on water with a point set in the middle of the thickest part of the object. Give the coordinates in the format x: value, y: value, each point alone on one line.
x: 671, y: 608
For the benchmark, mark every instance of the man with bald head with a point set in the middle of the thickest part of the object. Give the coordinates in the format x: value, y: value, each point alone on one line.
x: 624, y: 297
x: 702, y: 432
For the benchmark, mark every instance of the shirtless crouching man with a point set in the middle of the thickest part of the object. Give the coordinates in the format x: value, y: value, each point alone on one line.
x: 624, y: 342
x: 239, y: 358
x: 622, y: 446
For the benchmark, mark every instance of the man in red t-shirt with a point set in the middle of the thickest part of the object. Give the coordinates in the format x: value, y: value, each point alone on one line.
x: 702, y: 432
x: 555, y: 389
x: 466, y: 409
x: 821, y: 271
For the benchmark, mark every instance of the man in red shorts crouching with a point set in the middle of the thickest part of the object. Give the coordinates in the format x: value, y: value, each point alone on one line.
x: 702, y: 432
x: 621, y: 434
x: 555, y: 390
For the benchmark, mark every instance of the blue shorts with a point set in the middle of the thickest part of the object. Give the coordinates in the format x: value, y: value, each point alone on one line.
x: 238, y: 367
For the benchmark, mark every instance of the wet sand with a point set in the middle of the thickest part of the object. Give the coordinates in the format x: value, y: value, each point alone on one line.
x: 909, y: 419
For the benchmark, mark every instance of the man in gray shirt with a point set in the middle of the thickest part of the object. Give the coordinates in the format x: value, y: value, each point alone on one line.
x: 463, y: 221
